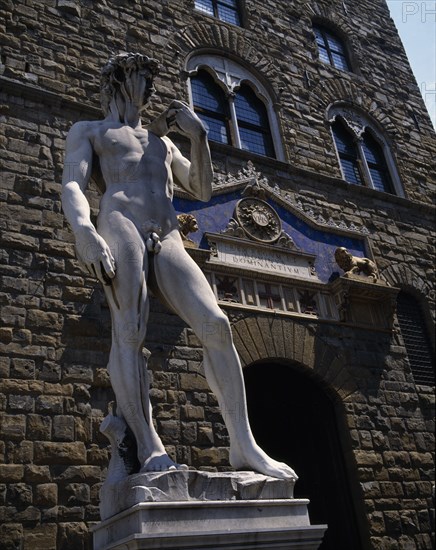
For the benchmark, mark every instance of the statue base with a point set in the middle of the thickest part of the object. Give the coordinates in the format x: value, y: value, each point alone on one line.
x: 198, y: 510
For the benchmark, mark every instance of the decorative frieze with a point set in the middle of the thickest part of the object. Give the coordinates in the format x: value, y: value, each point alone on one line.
x: 283, y: 296
x: 259, y: 185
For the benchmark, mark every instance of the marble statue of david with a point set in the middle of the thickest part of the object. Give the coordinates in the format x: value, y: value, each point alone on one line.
x: 137, y: 239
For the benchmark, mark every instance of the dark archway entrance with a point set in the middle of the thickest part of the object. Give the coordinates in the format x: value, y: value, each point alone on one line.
x: 294, y: 420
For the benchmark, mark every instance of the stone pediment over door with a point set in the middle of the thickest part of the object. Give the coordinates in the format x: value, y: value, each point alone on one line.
x: 247, y: 207
x: 261, y: 249
x: 254, y: 240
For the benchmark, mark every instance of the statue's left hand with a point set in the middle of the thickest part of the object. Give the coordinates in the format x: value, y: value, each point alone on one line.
x: 181, y: 118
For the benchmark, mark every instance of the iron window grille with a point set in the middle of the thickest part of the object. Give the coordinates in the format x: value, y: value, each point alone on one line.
x: 416, y: 339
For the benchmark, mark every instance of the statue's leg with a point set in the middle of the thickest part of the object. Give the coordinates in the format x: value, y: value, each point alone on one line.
x: 186, y: 289
x: 128, y: 301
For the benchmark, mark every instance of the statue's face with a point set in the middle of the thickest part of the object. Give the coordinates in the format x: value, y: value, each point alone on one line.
x: 142, y: 87
x: 127, y: 79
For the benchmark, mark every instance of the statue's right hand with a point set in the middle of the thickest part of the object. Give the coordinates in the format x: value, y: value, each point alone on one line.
x: 94, y: 253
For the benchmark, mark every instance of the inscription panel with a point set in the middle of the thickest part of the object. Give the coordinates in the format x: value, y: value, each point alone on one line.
x: 262, y: 258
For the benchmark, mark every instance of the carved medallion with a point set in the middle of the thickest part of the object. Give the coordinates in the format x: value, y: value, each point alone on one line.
x: 258, y: 219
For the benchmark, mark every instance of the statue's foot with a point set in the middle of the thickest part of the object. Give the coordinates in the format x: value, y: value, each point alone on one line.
x: 253, y: 458
x: 161, y: 463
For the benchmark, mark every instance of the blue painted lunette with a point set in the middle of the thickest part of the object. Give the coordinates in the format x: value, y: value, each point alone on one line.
x: 213, y: 217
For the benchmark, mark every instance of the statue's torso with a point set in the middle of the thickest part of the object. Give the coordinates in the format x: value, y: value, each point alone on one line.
x: 135, y: 166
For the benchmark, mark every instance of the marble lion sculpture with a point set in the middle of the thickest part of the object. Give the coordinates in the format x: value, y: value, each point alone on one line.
x: 353, y: 265
x: 187, y: 224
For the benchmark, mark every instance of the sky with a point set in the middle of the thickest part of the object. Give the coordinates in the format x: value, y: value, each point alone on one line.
x: 416, y: 24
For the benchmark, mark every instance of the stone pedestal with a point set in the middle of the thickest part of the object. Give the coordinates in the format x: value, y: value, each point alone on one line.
x: 187, y: 510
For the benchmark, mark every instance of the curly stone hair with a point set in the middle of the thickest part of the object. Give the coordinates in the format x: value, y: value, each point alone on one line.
x: 114, y: 73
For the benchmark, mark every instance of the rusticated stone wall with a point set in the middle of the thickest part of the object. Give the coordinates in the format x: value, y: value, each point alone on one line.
x: 61, y: 50
x: 55, y: 326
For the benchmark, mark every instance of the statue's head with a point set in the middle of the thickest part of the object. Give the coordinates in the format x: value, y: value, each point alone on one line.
x: 130, y: 75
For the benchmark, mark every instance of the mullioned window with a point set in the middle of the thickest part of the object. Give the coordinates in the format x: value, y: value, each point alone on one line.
x: 233, y: 105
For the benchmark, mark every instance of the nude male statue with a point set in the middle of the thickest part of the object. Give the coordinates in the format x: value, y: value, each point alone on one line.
x: 137, y: 235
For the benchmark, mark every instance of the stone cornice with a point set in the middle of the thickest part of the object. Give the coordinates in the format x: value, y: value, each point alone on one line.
x: 353, y: 191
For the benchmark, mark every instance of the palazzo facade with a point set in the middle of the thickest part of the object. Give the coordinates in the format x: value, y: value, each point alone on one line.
x: 320, y: 140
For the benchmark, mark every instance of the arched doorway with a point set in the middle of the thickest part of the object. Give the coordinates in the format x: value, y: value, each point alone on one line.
x: 294, y: 420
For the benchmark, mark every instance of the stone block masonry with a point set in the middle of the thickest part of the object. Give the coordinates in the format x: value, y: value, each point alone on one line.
x: 55, y: 325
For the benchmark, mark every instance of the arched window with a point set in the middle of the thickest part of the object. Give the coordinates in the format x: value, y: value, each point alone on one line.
x: 376, y: 162
x: 331, y: 49
x: 226, y: 10
x: 211, y: 106
x: 416, y: 339
x: 233, y: 105
x: 363, y: 153
x: 348, y: 152
x: 252, y: 121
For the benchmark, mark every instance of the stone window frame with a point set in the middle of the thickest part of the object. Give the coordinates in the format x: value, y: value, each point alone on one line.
x: 229, y: 75
x: 326, y: 34
x: 357, y: 124
x: 352, y: 156
x: 215, y: 4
